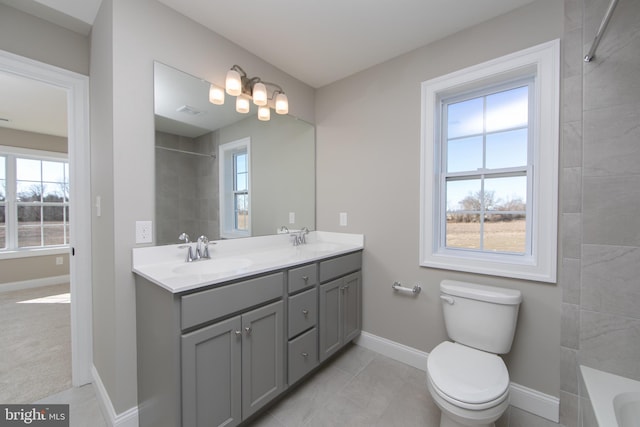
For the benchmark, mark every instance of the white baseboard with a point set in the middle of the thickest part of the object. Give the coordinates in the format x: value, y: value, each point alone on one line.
x: 34, y: 283
x: 128, y: 418
x: 527, y: 399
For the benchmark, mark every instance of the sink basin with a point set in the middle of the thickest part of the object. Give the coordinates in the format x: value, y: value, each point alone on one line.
x: 213, y: 266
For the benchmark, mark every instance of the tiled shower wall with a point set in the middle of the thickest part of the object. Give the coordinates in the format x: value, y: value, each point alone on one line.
x: 186, y: 188
x: 600, y: 201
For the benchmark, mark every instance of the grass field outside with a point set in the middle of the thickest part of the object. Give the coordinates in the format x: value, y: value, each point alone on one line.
x: 502, y: 236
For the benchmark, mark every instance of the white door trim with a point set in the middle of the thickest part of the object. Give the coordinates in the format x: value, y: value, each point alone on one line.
x: 77, y: 87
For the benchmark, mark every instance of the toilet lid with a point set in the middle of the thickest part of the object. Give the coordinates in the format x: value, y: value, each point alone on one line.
x: 466, y: 374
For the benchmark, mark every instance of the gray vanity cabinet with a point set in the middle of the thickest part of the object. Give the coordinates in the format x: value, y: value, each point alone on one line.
x: 340, y: 303
x: 211, y: 373
x: 233, y: 361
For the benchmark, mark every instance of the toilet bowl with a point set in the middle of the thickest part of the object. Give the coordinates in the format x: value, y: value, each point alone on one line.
x: 466, y: 378
x: 471, y: 387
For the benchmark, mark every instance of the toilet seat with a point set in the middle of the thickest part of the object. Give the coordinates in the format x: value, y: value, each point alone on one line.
x: 466, y: 377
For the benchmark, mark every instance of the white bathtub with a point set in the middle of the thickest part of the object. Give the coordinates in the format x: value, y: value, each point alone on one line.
x: 615, y: 399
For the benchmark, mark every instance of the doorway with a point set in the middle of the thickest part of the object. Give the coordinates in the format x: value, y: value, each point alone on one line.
x: 76, y: 87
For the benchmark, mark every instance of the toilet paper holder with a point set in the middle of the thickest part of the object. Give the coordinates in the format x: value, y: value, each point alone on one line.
x: 397, y: 286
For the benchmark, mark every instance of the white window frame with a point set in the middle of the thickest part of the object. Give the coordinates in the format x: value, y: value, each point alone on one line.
x: 540, y: 264
x: 226, y: 181
x: 11, y: 204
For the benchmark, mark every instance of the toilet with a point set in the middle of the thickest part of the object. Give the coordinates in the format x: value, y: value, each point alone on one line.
x: 466, y: 378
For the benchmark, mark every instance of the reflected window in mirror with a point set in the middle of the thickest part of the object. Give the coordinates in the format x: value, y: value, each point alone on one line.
x: 235, y: 183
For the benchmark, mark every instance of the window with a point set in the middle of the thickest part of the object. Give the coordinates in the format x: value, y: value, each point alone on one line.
x: 235, y: 182
x: 34, y: 200
x: 489, y: 167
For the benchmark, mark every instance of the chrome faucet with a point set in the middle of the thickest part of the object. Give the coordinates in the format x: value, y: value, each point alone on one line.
x: 299, y: 238
x: 202, y: 248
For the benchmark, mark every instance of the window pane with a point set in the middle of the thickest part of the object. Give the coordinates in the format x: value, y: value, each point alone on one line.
x: 53, y: 234
x: 464, y: 154
x: 29, y: 214
x: 465, y: 118
x: 29, y: 235
x: 463, y: 232
x: 241, y: 163
x: 28, y: 170
x: 505, y: 233
x: 28, y: 191
x: 241, y: 182
x: 53, y: 214
x: 53, y: 192
x: 53, y: 171
x: 3, y: 228
x: 241, y: 212
x: 463, y: 195
x: 507, y: 149
x: 3, y: 190
x: 508, y: 109
x: 506, y: 194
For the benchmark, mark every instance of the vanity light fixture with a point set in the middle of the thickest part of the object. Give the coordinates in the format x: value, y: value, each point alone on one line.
x: 216, y: 95
x: 245, y: 89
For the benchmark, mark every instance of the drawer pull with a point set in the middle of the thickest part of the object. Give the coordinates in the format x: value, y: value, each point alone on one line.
x: 305, y: 313
x: 248, y: 330
x: 305, y: 355
x: 305, y: 278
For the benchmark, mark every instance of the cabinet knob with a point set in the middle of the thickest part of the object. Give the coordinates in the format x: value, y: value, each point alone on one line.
x: 305, y: 313
x: 305, y: 278
x: 305, y: 355
x: 238, y: 333
x: 248, y: 330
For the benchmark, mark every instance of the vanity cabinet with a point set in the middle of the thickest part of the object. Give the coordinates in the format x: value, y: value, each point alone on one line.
x: 340, y: 303
x: 216, y: 355
x: 233, y: 361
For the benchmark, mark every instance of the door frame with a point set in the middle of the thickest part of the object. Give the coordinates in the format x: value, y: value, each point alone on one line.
x: 77, y: 88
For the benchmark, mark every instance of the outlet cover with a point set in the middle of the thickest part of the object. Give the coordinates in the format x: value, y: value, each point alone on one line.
x: 144, y: 232
x: 343, y: 219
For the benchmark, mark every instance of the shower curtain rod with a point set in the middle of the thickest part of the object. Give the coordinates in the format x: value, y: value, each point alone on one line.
x: 603, y: 27
x: 186, y: 152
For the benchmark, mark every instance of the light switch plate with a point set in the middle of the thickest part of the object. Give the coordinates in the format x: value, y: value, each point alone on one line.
x: 343, y: 219
x: 292, y: 217
x: 144, y: 232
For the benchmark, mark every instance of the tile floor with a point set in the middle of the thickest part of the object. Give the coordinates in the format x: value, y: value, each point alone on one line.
x: 358, y: 388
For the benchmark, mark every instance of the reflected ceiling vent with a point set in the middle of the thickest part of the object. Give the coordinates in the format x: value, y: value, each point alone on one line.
x: 192, y: 111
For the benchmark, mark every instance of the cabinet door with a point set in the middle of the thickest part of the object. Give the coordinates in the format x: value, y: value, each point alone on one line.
x: 330, y: 326
x: 262, y: 356
x: 351, y: 306
x: 211, y: 375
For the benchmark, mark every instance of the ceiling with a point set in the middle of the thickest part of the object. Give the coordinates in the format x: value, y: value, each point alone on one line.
x: 315, y: 41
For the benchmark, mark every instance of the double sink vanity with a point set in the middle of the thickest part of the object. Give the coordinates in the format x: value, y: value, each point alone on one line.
x: 221, y: 338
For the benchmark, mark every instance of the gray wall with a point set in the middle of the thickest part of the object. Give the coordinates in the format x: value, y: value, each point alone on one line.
x: 35, y: 38
x: 368, y: 159
x: 125, y: 40
x: 601, y: 199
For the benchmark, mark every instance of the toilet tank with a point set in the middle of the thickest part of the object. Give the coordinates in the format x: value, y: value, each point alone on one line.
x: 479, y: 316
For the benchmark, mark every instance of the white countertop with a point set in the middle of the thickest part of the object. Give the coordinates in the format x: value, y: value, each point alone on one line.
x: 237, y: 258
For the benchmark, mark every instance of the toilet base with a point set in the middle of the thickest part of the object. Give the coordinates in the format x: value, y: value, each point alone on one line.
x: 446, y: 421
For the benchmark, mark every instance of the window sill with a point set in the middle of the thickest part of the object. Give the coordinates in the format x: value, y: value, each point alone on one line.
x: 26, y: 253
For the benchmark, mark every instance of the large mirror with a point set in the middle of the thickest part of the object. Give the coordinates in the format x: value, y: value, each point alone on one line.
x: 225, y: 174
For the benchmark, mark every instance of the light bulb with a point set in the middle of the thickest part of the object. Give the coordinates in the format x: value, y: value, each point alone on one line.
x: 233, y: 83
x: 282, y: 104
x: 216, y: 95
x: 242, y: 105
x: 259, y: 94
x: 264, y: 113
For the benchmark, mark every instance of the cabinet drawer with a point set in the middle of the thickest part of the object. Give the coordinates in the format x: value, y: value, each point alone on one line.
x: 340, y: 266
x: 208, y: 305
x: 302, y: 277
x: 303, y: 311
x: 303, y: 355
